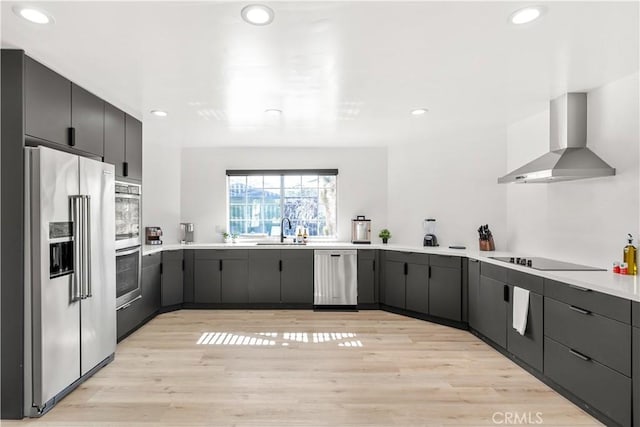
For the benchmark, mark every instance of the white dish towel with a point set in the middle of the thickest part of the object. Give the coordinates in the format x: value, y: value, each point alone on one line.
x: 520, y: 309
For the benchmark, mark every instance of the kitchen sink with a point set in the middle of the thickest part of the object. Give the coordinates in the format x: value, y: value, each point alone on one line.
x: 278, y: 244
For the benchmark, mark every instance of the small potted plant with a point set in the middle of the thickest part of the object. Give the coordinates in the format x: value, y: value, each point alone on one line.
x: 234, y: 237
x: 226, y: 237
x: 385, y: 235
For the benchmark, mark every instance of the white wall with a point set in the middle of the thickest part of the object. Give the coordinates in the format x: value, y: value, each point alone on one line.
x: 452, y: 180
x: 582, y: 221
x: 161, y: 191
x: 362, y: 182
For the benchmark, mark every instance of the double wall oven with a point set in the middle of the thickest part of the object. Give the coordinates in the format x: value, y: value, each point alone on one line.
x: 128, y: 242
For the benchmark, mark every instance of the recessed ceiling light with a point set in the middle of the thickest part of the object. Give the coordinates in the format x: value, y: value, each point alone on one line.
x: 32, y: 14
x: 159, y: 113
x: 273, y: 111
x: 257, y: 14
x: 419, y: 111
x: 526, y: 15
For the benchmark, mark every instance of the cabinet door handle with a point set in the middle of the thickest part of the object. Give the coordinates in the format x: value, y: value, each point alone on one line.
x: 125, y: 168
x: 406, y: 268
x: 280, y: 265
x: 506, y: 293
x: 182, y: 265
x: 374, y: 265
x: 220, y: 265
x: 429, y: 272
x: 579, y: 288
x: 579, y: 355
x: 579, y: 310
x: 72, y: 136
x: 161, y: 269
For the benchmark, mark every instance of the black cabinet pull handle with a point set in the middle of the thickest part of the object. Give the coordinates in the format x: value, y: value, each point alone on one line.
x: 506, y: 293
x: 374, y: 265
x: 335, y: 255
x: 429, y: 272
x: 579, y: 288
x: 125, y: 168
x: 280, y: 265
x: 220, y: 265
x: 182, y: 265
x: 72, y: 136
x: 161, y: 268
x: 579, y: 310
x: 579, y: 355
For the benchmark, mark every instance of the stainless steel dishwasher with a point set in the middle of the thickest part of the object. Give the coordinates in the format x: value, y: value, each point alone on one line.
x: 335, y: 279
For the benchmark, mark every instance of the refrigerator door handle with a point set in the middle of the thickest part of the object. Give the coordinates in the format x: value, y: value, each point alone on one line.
x: 77, y: 248
x: 87, y: 266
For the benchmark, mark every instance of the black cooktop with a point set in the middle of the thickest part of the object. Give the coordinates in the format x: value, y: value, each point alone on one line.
x: 545, y: 264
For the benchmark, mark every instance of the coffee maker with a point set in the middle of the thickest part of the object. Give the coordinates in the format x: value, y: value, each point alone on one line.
x: 186, y: 232
x: 430, y: 238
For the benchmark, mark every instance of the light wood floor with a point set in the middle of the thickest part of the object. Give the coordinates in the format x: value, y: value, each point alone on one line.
x: 391, y: 370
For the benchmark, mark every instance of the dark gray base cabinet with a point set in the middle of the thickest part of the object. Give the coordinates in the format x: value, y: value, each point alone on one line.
x: 367, y: 276
x: 636, y: 376
x: 475, y: 311
x: 264, y: 276
x: 492, y: 320
x: 296, y: 279
x: 445, y: 287
x: 601, y: 387
x: 172, y: 278
x: 527, y: 347
x: 394, y: 283
x: 151, y: 285
x: 221, y: 276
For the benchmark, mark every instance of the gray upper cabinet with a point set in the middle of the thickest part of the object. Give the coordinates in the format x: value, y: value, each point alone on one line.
x: 264, y: 276
x: 296, y: 279
x: 133, y: 149
x: 87, y: 121
x: 367, y: 276
x: 172, y: 267
x: 47, y: 104
x: 445, y: 287
x: 474, y: 293
x: 527, y: 347
x: 114, y: 137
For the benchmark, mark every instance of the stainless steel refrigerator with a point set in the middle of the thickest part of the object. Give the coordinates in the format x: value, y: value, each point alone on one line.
x: 70, y: 295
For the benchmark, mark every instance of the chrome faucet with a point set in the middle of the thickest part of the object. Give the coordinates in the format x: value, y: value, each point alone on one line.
x: 282, y: 228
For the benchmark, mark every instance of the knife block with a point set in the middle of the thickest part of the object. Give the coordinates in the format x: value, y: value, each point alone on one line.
x: 487, y: 245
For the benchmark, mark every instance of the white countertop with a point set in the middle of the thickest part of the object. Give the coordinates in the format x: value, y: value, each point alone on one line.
x: 623, y: 286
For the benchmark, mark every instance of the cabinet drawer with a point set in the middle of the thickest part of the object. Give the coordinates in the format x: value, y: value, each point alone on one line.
x: 602, y: 388
x: 493, y: 272
x: 635, y: 315
x: 605, y: 340
x: 606, y: 305
x: 525, y: 281
x: 225, y: 253
x: 153, y: 259
x: 414, y: 258
x: 445, y: 261
x: 172, y: 255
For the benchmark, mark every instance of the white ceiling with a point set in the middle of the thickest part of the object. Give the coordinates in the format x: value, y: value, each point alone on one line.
x: 343, y: 73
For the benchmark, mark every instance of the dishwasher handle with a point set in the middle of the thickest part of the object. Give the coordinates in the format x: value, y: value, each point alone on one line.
x: 335, y: 255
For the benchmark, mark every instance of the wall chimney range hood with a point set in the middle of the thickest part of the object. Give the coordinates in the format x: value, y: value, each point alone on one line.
x: 568, y: 157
